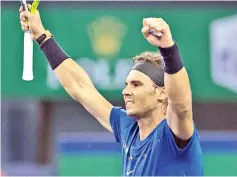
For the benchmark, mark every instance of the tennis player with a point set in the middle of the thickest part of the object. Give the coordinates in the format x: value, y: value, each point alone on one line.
x: 157, y: 134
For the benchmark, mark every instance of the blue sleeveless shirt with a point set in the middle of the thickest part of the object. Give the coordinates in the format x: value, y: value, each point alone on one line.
x: 158, y: 154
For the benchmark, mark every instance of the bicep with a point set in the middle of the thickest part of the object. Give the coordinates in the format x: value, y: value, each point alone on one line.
x: 80, y: 87
x: 182, y: 127
x: 179, y: 111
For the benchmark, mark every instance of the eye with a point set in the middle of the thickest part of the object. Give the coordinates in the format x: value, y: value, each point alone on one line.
x: 136, y: 84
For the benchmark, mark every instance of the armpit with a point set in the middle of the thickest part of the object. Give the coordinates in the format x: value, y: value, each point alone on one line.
x: 179, y: 142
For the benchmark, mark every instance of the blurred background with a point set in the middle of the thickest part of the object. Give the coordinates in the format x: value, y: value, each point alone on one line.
x: 45, y: 132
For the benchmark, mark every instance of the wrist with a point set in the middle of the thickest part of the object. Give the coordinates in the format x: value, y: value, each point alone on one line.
x: 167, y: 52
x: 167, y: 44
x: 43, y: 37
x: 39, y: 33
x: 53, y: 52
x: 172, y: 59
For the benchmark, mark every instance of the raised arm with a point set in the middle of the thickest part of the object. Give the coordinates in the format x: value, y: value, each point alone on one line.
x: 79, y: 86
x: 179, y: 112
x: 71, y: 76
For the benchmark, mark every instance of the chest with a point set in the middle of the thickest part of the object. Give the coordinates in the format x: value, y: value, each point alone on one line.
x: 144, y: 157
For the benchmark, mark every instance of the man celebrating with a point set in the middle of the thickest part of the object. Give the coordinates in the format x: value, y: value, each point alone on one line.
x: 156, y: 131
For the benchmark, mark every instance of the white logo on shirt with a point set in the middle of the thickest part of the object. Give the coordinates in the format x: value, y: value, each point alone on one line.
x: 126, y: 150
x: 129, y: 172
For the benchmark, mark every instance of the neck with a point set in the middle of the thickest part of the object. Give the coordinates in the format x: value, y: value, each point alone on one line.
x: 149, y: 122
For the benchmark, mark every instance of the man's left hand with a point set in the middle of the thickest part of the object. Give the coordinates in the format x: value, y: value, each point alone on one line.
x: 159, y: 26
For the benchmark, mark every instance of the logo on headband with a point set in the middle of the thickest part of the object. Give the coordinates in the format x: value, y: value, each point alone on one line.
x: 106, y: 34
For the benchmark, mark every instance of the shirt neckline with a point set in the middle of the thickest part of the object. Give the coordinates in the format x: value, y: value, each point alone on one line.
x: 139, y: 142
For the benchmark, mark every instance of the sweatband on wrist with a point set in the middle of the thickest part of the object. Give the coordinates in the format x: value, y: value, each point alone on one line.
x: 53, y: 52
x: 155, y: 73
x: 172, y: 59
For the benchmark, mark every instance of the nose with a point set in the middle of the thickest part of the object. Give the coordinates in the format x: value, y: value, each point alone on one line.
x: 126, y: 91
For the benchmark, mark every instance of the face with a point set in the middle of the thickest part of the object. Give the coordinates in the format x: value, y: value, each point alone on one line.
x: 139, y: 94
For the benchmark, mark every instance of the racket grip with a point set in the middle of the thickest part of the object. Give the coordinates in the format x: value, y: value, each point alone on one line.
x: 28, y: 57
x: 158, y: 35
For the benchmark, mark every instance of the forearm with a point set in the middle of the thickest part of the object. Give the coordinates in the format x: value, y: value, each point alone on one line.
x: 177, y: 84
x: 71, y: 76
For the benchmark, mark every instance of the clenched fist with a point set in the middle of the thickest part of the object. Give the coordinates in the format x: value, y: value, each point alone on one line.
x: 159, y: 26
x: 32, y: 22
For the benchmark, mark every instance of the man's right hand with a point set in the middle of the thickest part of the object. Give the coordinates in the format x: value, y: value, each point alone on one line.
x: 31, y: 21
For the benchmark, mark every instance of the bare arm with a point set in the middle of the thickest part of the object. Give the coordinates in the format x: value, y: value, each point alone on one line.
x: 72, y: 77
x: 79, y: 86
x: 179, y: 112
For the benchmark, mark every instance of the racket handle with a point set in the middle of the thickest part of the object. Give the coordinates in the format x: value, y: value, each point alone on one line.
x: 158, y: 35
x: 28, y: 57
x: 153, y: 31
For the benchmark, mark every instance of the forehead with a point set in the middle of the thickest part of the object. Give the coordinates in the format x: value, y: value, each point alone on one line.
x: 138, y: 76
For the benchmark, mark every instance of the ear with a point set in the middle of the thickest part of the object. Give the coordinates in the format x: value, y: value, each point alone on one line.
x: 161, y: 94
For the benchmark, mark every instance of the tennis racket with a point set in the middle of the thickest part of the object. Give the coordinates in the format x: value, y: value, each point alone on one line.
x: 28, y: 46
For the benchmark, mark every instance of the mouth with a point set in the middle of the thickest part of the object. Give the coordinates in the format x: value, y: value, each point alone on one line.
x: 128, y: 103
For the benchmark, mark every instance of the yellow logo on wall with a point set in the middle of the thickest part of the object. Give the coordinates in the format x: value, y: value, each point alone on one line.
x: 106, y: 34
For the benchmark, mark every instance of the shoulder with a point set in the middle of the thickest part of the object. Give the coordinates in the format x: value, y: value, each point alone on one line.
x: 121, y: 123
x: 119, y: 117
x: 118, y: 112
